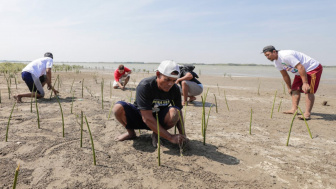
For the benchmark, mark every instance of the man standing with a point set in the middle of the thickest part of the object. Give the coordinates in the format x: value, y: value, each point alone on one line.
x: 307, y: 75
x: 36, y: 74
x: 158, y: 92
x: 121, y: 77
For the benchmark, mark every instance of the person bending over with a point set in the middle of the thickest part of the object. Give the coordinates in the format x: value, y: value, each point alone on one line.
x: 121, y: 77
x: 155, y: 93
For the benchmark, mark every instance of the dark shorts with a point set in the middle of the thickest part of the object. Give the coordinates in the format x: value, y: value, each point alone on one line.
x: 313, y: 80
x: 28, y: 79
x: 134, y: 118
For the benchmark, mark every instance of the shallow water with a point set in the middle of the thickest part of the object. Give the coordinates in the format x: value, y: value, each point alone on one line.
x: 218, y: 70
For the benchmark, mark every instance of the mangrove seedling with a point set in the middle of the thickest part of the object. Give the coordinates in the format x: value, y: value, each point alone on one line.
x: 273, y: 103
x: 57, y: 78
x: 279, y: 105
x: 290, y: 129
x: 156, y: 109
x: 16, y: 176
x: 226, y: 101
x: 37, y: 112
x: 216, y: 103
x: 306, y: 123
x: 61, y: 113
x: 93, y: 150
x: 10, y: 116
x: 251, y: 122
x: 81, y: 125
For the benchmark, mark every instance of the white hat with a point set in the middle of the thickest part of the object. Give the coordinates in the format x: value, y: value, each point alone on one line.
x: 167, y: 67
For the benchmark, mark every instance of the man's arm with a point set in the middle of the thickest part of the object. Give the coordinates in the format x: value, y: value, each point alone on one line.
x: 303, y: 74
x: 150, y: 121
x: 287, y: 80
x: 188, y: 76
x: 48, y: 70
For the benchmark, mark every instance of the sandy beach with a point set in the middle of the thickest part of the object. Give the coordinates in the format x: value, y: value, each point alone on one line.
x: 231, y: 157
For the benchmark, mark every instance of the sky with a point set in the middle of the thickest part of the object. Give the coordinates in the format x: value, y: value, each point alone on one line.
x: 187, y: 31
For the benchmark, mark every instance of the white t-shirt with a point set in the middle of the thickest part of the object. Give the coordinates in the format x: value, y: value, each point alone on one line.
x: 290, y: 58
x: 38, y: 67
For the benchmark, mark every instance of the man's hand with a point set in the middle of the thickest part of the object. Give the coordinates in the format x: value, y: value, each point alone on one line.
x: 178, y: 139
x: 290, y: 91
x: 305, y: 88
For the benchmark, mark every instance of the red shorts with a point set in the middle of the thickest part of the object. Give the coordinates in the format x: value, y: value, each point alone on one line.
x: 313, y: 80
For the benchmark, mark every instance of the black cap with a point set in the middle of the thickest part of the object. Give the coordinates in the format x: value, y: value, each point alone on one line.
x: 269, y: 48
x: 49, y: 54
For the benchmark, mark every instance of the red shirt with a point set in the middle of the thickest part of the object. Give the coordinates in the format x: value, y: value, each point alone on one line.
x: 118, y: 75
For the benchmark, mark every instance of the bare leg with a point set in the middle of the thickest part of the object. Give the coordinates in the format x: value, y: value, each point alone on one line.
x: 120, y: 115
x: 185, y: 93
x: 310, y: 99
x: 126, y: 81
x: 295, y: 102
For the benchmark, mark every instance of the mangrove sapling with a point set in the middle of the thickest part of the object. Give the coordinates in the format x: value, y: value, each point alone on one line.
x: 10, y: 116
x: 61, y: 113
x: 204, y: 121
x: 306, y: 123
x: 218, y: 90
x: 54, y: 85
x: 31, y: 100
x: 8, y: 87
x: 72, y: 85
x: 258, y: 88
x: 73, y: 94
x: 290, y: 129
x: 37, y: 112
x: 156, y: 110
x: 93, y: 150
x: 81, y: 125
x: 102, y: 93
x: 273, y: 103
x: 226, y: 101
x: 16, y: 176
x: 279, y: 105
x: 82, y: 87
x: 251, y: 122
x: 183, y: 131
x: 216, y: 103
x: 110, y: 111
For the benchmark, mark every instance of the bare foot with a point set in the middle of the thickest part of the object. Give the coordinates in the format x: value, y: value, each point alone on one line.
x: 289, y: 112
x: 125, y: 136
x: 192, y: 98
x: 305, y: 117
x: 18, y: 99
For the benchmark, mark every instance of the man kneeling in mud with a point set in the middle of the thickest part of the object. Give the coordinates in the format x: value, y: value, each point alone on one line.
x: 158, y: 91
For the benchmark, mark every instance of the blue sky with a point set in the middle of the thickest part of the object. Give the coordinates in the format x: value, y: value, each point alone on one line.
x: 190, y: 31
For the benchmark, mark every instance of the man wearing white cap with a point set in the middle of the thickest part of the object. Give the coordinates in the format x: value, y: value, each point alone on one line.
x: 158, y: 92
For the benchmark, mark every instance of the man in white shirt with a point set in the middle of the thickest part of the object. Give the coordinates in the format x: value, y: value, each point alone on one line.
x: 307, y: 73
x: 36, y: 74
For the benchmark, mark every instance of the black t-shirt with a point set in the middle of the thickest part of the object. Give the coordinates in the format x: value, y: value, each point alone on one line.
x: 148, y: 94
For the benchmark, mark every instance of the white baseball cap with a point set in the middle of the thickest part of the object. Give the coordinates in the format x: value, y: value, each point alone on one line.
x: 167, y: 67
